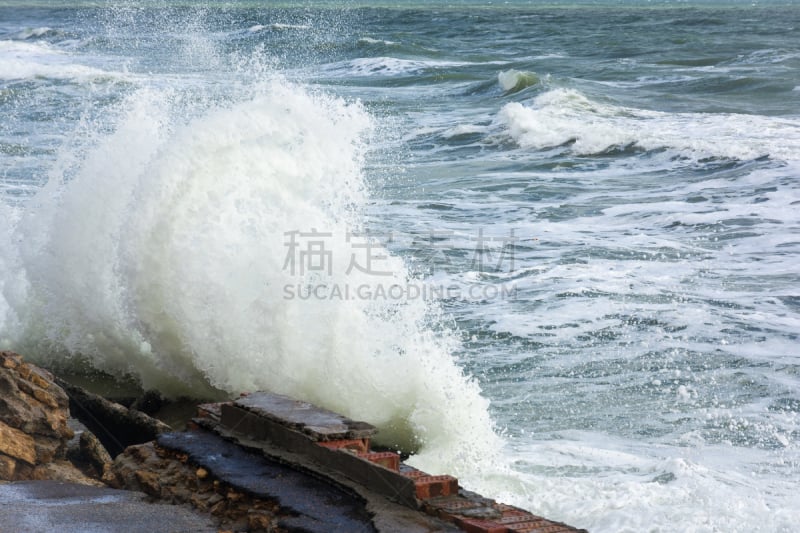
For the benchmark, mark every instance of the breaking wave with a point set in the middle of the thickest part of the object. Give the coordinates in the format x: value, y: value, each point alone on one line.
x: 167, y: 254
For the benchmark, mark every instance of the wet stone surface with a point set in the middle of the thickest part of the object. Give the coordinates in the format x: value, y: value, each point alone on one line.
x: 320, y: 424
x: 313, y: 505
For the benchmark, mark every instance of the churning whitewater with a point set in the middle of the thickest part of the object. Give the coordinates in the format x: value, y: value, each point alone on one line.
x: 551, y: 249
x: 165, y: 257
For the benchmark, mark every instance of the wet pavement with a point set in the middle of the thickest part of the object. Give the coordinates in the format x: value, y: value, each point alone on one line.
x: 42, y: 506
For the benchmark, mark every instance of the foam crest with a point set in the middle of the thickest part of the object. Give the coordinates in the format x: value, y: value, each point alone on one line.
x: 514, y: 80
x: 168, y: 255
x: 29, y: 60
x: 278, y: 26
x: 372, y: 41
x: 566, y: 117
x: 387, y: 66
x: 36, y: 33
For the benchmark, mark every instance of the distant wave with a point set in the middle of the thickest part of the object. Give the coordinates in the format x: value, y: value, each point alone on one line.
x: 22, y: 60
x: 277, y: 26
x: 567, y: 118
x: 36, y: 33
x: 514, y: 80
x: 387, y: 66
x: 370, y: 40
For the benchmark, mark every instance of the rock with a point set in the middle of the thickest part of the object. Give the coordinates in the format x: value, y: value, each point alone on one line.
x: 17, y: 444
x: 148, y: 482
x: 259, y: 520
x: 87, y: 453
x: 94, y: 453
x: 65, y: 471
x: 168, y: 476
x: 33, y: 418
x: 116, y: 426
x: 31, y: 403
x: 8, y: 467
x: 149, y: 403
x: 10, y: 360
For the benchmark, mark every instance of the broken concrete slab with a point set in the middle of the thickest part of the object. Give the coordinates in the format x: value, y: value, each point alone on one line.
x: 264, y: 462
x: 258, y: 423
x: 318, y: 423
x: 373, y: 476
x: 322, y: 507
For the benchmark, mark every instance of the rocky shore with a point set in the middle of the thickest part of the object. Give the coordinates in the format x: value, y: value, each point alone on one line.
x: 35, y: 434
x: 75, y: 461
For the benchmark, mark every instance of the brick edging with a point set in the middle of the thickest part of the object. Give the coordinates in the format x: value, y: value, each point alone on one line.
x: 344, y: 447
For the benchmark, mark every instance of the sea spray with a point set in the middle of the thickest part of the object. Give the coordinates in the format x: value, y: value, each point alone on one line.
x: 6, y: 224
x: 646, y: 373
x: 167, y: 253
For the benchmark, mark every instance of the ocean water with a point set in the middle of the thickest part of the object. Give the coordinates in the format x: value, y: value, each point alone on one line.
x: 550, y: 248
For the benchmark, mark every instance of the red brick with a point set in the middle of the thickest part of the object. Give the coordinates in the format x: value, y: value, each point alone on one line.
x: 481, y: 526
x: 520, y: 516
x: 388, y: 460
x: 506, y: 509
x: 433, y: 486
x: 468, y: 510
x: 454, y: 503
x: 448, y: 507
x: 357, y: 445
x: 526, y: 518
x: 539, y: 526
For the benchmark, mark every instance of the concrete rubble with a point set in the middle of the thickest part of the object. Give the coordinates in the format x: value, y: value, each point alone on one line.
x: 263, y: 462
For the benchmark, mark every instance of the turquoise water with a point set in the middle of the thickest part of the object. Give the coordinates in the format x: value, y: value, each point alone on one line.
x: 550, y: 248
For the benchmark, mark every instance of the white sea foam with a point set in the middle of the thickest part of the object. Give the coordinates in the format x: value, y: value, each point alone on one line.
x: 277, y: 26
x: 371, y: 40
x: 165, y: 256
x: 23, y: 60
x: 567, y: 117
x: 386, y: 66
x: 615, y: 485
x: 462, y: 130
x: 644, y: 81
